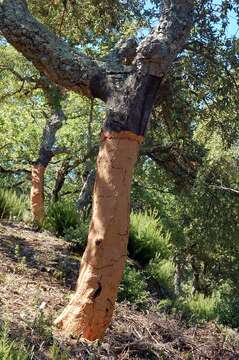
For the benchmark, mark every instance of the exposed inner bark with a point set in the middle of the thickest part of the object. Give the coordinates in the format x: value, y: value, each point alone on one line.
x: 90, y: 310
x: 37, y: 193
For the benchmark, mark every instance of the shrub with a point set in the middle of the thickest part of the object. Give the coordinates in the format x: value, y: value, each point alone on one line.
x: 78, y: 236
x: 165, y: 306
x: 60, y: 217
x: 198, y: 309
x: 11, y: 350
x: 147, y: 238
x: 163, y: 272
x: 133, y: 288
x: 228, y: 306
x: 12, y: 206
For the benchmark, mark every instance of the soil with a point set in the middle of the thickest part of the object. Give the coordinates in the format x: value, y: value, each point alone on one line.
x: 38, y: 273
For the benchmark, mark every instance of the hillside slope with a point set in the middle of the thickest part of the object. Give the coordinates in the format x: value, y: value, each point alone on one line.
x: 37, y: 276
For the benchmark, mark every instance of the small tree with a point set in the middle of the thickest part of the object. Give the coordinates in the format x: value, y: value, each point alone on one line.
x: 47, y: 149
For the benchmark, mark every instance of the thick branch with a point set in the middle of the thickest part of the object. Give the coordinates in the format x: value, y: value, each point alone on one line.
x: 159, y: 49
x: 13, y: 171
x: 50, y: 54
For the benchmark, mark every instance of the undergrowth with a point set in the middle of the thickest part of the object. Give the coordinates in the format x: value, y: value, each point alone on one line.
x: 147, y: 238
x: 12, y: 206
x: 11, y: 349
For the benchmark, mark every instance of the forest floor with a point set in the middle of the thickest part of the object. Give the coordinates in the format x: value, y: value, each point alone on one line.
x: 37, y: 276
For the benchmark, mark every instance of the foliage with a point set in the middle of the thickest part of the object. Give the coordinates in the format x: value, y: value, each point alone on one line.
x: 133, y: 288
x: 78, y: 236
x: 12, y: 206
x: 197, y: 309
x: 147, y: 237
x: 228, y: 306
x: 10, y: 349
x: 163, y: 272
x: 61, y: 216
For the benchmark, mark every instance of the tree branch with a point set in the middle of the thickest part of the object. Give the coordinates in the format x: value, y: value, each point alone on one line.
x: 9, y: 94
x: 226, y: 189
x: 159, y: 49
x: 14, y: 171
x: 49, y: 53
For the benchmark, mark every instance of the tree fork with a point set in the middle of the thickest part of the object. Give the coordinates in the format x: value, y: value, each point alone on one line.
x: 90, y: 310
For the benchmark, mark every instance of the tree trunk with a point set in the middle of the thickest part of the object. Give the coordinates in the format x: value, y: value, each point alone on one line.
x: 178, y: 278
x: 85, y: 197
x: 90, y: 310
x: 37, y: 193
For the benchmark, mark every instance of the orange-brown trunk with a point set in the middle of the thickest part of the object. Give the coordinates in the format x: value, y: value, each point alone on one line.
x: 37, y: 193
x: 90, y: 310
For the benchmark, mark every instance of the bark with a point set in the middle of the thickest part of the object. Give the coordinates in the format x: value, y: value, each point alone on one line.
x: 37, y: 193
x: 50, y: 54
x: 86, y: 192
x: 178, y: 276
x: 90, y: 310
x: 60, y: 179
x: 54, y: 121
x: 159, y: 49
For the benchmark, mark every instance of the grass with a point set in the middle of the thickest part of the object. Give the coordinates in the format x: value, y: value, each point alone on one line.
x: 147, y: 237
x: 12, y: 206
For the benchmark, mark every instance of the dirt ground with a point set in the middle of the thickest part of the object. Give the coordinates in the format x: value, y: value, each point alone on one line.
x: 37, y: 277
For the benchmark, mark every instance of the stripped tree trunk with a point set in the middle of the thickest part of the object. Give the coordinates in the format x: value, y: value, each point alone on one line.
x: 37, y: 193
x: 54, y: 122
x: 90, y: 310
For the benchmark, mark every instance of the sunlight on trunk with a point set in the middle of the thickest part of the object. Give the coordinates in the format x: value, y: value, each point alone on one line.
x: 37, y: 193
x: 90, y: 310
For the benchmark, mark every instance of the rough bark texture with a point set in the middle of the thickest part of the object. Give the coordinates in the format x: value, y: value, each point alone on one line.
x: 37, y: 193
x: 54, y: 121
x: 60, y: 179
x: 90, y: 310
x: 86, y: 193
x: 158, y: 50
x: 50, y: 54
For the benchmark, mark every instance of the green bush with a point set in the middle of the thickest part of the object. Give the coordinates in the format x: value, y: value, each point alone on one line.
x: 12, y: 206
x: 165, y: 306
x: 11, y: 350
x: 228, y: 306
x: 60, y: 217
x: 133, y: 288
x: 78, y: 236
x: 147, y: 238
x: 198, y: 309
x: 163, y: 272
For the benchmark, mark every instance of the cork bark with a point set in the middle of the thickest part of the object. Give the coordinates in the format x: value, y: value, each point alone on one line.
x: 90, y: 310
x: 37, y: 193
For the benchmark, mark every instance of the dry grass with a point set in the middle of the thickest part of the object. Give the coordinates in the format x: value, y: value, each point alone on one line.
x: 37, y: 275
